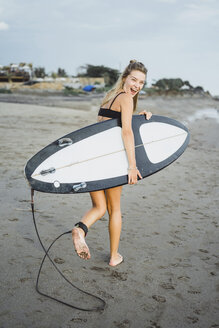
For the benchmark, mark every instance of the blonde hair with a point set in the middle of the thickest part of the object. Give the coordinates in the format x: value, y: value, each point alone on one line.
x: 133, y: 65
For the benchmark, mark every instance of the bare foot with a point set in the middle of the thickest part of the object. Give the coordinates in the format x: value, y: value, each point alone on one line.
x: 116, y: 260
x: 79, y: 243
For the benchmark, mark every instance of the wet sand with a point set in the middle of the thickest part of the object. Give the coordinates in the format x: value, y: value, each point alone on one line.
x: 169, y: 241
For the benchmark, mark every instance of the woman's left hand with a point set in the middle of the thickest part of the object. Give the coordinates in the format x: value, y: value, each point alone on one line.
x: 147, y: 114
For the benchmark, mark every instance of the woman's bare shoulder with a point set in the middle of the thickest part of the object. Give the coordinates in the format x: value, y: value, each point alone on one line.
x: 125, y: 98
x: 125, y: 95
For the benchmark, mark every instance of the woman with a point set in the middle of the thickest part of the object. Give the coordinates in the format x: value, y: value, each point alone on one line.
x: 120, y: 102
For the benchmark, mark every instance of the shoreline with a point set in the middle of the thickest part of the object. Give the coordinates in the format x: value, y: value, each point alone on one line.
x: 84, y: 101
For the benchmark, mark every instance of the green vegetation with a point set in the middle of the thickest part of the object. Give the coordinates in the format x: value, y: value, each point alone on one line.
x: 39, y: 72
x: 169, y: 84
x: 61, y: 72
x: 110, y: 75
x: 175, y: 85
x: 68, y: 91
x: 5, y: 90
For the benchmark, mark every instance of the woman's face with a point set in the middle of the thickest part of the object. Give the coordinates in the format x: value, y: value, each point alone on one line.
x: 134, y: 82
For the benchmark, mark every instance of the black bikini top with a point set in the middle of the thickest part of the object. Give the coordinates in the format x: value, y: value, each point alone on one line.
x: 108, y: 112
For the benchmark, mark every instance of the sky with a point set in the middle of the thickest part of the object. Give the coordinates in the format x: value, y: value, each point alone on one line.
x: 173, y: 38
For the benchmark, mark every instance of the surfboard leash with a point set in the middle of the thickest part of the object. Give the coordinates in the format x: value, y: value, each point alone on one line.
x: 100, y: 308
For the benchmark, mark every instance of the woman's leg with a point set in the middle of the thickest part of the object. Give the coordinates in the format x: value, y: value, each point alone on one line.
x: 95, y: 213
x: 113, y: 196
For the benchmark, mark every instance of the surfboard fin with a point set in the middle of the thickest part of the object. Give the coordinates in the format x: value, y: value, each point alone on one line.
x: 79, y: 186
x: 50, y: 170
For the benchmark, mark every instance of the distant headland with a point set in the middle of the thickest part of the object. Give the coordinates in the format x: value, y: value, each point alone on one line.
x: 89, y: 78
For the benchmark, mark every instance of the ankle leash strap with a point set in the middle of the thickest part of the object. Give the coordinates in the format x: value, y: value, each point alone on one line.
x: 83, y: 227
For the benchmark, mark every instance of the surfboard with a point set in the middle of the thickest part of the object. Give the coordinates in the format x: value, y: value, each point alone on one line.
x: 93, y: 158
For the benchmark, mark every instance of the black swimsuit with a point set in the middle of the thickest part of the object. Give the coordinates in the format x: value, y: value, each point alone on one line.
x: 108, y: 112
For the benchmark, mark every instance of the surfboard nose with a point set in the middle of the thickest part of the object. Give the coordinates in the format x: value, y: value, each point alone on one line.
x: 162, y: 140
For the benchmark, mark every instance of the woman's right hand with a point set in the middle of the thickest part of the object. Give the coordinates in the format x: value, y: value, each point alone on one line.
x: 133, y: 174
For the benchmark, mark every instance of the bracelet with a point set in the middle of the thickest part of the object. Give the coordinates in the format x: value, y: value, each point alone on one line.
x: 132, y: 168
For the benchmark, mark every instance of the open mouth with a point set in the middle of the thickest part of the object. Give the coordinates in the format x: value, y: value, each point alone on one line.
x: 133, y: 92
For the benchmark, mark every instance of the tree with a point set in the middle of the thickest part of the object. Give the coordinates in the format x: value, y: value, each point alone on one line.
x: 61, y: 72
x: 54, y: 75
x: 198, y: 89
x: 176, y: 85
x: 188, y: 84
x: 169, y: 84
x: 110, y: 75
x: 39, y: 72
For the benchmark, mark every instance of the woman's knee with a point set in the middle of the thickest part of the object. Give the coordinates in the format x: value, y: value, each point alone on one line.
x: 99, y: 202
x: 113, y: 196
x: 113, y: 209
x: 101, y: 208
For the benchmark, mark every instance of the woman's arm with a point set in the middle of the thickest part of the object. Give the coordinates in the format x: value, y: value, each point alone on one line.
x: 126, y: 104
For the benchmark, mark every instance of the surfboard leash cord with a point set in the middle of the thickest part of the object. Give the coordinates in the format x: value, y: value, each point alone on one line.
x: 100, y: 308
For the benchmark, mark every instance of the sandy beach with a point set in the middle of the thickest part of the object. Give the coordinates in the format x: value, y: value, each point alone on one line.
x: 169, y: 278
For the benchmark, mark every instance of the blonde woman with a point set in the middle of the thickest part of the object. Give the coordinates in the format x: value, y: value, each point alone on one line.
x: 120, y: 102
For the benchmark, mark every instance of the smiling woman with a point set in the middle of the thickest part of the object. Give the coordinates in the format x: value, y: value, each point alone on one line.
x: 134, y: 82
x: 134, y: 72
x: 119, y: 103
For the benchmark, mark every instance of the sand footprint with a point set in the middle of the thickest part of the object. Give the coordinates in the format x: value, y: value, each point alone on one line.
x: 159, y: 299
x: 124, y: 324
x: 119, y: 275
x: 167, y: 285
x: 78, y: 320
x: 203, y: 250
x: 99, y: 269
x: 154, y: 325
x: 59, y: 260
x: 194, y: 291
x: 183, y: 278
x: 28, y: 239
x: 193, y: 319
